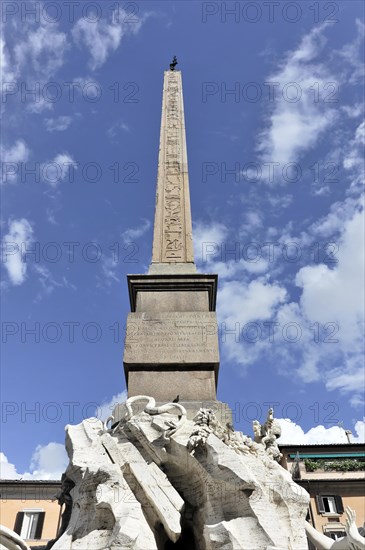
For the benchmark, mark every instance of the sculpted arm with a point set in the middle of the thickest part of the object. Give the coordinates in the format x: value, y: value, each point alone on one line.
x: 353, y: 540
x: 320, y: 541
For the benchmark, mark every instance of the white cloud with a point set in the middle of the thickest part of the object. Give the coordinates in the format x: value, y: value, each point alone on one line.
x: 253, y: 221
x: 296, y: 126
x: 353, y: 111
x: 56, y: 170
x: 43, y: 50
x: 15, y: 243
x: 240, y: 303
x: 14, y: 155
x: 6, y: 67
x: 360, y: 133
x: 7, y: 470
x: 117, y: 126
x: 330, y: 315
x: 51, y: 216
x: 58, y: 124
x: 102, y: 37
x: 47, y: 462
x: 230, y: 268
x: 243, y: 303
x: 208, y: 240
x: 226, y: 258
x: 280, y: 201
x: 337, y: 294
x: 360, y: 431
x: 352, y: 53
x: 106, y: 408
x: 48, y: 282
x: 354, y: 153
x: 109, y: 266
x: 293, y: 434
x: 333, y: 223
x: 310, y: 46
x: 353, y: 160
x: 39, y: 52
x: 133, y: 233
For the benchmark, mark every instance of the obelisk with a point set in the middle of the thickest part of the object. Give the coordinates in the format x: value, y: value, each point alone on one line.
x: 171, y: 346
x: 172, y: 240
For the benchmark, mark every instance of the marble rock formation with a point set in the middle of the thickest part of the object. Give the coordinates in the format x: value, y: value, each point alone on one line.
x: 156, y: 480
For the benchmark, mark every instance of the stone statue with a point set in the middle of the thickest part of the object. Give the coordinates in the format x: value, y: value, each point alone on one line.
x: 352, y: 541
x: 267, y: 434
x: 173, y: 63
x: 157, y: 479
x: 63, y: 498
x: 11, y: 540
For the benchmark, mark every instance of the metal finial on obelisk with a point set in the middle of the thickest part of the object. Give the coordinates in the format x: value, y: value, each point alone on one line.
x: 173, y: 63
x: 172, y: 239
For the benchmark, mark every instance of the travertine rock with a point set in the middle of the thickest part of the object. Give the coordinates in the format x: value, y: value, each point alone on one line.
x: 158, y: 477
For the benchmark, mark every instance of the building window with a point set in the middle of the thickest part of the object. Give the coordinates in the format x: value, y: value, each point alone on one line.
x: 329, y: 504
x: 29, y: 524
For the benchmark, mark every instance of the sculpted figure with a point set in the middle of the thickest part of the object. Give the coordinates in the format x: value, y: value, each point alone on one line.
x: 63, y: 498
x: 11, y: 540
x: 267, y: 434
x: 353, y: 540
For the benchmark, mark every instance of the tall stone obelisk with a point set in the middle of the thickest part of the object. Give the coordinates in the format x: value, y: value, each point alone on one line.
x: 171, y: 346
x: 172, y: 242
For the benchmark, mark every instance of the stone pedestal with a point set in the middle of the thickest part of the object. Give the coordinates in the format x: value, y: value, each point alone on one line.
x: 171, y: 346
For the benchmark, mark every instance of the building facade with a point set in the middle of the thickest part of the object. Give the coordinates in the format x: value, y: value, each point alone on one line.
x: 30, y: 508
x: 334, y: 476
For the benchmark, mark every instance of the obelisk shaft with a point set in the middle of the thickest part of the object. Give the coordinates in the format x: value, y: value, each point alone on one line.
x: 172, y: 240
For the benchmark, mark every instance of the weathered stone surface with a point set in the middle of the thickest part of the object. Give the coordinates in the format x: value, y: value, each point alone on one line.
x: 170, y: 338
x: 165, y: 384
x: 156, y: 302
x: 105, y: 512
x: 172, y: 353
x: 172, y: 242
x: 178, y: 480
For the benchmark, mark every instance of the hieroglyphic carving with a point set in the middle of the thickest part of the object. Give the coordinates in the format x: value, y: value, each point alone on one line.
x: 173, y: 222
x: 172, y: 241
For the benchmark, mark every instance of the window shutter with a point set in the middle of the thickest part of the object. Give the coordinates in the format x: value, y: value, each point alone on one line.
x: 18, y: 522
x: 39, y: 528
x: 320, y: 505
x: 339, y: 504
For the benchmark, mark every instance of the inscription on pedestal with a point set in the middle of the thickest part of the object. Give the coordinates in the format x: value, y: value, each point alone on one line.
x: 171, y: 338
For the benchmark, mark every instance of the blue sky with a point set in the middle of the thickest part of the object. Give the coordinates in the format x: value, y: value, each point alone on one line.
x: 274, y: 113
